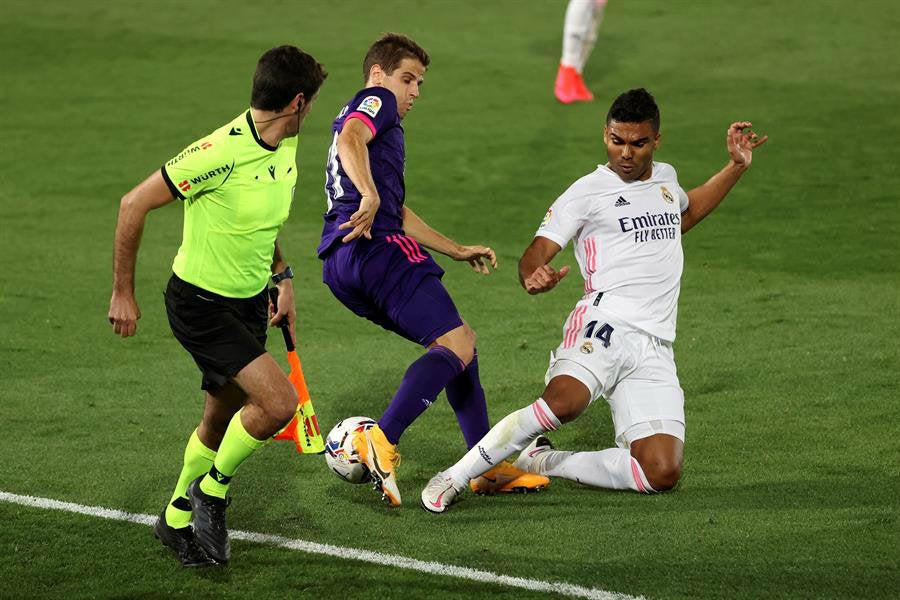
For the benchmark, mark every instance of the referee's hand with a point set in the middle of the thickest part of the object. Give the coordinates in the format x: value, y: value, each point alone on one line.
x: 285, y: 308
x: 123, y: 314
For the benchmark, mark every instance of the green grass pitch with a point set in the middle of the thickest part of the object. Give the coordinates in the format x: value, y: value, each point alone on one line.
x: 789, y: 318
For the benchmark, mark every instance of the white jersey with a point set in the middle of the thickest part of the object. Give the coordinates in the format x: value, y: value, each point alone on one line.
x: 627, y: 243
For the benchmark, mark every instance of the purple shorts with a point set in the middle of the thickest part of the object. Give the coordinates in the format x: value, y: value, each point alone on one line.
x: 393, y: 282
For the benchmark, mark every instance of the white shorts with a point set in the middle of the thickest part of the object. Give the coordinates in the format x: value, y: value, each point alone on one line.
x: 633, y: 370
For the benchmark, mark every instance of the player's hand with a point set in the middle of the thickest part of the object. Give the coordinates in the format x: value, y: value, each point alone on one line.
x: 478, y: 257
x: 286, y: 308
x: 742, y: 143
x: 123, y: 314
x: 361, y: 221
x: 544, y: 279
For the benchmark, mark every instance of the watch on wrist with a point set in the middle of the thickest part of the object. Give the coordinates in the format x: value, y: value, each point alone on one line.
x: 288, y: 273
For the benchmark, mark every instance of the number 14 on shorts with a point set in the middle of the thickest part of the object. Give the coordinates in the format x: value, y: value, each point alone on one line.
x: 603, y: 333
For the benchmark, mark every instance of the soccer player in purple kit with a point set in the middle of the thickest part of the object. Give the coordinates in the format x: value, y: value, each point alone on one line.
x: 375, y: 264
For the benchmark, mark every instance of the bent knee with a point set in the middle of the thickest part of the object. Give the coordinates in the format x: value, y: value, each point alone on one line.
x: 283, y: 409
x: 566, y: 397
x: 460, y: 341
x: 663, y: 475
x: 565, y: 410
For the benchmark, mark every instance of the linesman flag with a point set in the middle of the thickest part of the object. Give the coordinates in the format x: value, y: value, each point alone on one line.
x: 303, y: 429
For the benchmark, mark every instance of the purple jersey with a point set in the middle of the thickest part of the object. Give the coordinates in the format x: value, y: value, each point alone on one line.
x: 377, y: 108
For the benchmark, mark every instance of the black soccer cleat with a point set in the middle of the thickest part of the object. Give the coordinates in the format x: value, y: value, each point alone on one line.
x: 183, y: 543
x: 209, y: 522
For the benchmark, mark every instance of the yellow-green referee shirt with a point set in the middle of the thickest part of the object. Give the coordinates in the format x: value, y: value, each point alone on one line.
x: 237, y: 193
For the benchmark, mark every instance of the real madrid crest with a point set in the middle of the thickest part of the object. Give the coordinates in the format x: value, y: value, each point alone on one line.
x: 547, y: 217
x: 667, y: 196
x: 587, y: 348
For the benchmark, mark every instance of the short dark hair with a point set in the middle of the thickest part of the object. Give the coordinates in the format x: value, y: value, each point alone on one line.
x: 634, y: 106
x: 389, y: 50
x: 281, y: 74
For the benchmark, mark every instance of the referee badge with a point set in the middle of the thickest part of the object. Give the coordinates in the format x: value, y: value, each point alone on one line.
x: 666, y: 195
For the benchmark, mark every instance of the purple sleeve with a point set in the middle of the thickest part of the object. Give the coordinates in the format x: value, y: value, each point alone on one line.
x: 376, y: 107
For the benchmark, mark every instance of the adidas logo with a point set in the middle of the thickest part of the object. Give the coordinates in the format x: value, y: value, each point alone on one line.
x: 622, y: 202
x: 235, y: 131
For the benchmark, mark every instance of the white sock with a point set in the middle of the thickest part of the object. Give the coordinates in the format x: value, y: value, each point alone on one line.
x: 613, y: 469
x: 511, y: 434
x: 577, y: 32
x: 588, y: 46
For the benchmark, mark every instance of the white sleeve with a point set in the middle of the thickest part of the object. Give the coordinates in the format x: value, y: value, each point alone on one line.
x: 562, y: 221
x: 683, y: 200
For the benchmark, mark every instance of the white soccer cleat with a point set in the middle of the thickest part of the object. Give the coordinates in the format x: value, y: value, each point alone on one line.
x: 530, y: 458
x: 440, y: 492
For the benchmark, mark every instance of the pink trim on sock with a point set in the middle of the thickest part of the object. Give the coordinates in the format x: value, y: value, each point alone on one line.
x: 364, y: 119
x: 542, y: 417
x: 636, y: 473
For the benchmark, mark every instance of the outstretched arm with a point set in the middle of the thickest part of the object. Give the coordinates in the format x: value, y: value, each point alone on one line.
x: 535, y: 273
x: 477, y: 256
x: 354, y: 154
x: 704, y: 199
x: 146, y: 196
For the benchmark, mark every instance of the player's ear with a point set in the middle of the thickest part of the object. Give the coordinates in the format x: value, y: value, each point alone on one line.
x: 656, y: 141
x: 298, y: 102
x: 376, y: 75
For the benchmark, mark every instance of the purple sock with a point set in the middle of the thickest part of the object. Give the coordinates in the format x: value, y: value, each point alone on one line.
x: 466, y: 396
x: 423, y: 381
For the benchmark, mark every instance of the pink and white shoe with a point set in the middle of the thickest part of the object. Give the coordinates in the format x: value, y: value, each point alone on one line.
x: 440, y: 492
x: 530, y: 458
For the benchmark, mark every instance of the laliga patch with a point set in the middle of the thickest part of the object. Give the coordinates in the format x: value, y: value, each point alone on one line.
x: 370, y: 106
x: 666, y: 195
x: 547, y: 218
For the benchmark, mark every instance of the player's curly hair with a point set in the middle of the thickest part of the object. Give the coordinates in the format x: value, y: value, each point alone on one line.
x: 389, y: 50
x: 634, y: 106
x: 281, y: 74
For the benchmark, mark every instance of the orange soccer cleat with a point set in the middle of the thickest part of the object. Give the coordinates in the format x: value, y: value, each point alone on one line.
x: 570, y: 86
x: 381, y: 458
x: 507, y: 479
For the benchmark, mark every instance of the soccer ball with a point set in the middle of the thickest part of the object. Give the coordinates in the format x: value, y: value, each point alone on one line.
x: 340, y: 455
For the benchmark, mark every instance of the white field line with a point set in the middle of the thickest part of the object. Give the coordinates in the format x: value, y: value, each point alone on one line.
x: 390, y: 560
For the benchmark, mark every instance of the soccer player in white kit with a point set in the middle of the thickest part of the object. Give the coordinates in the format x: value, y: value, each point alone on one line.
x: 626, y: 220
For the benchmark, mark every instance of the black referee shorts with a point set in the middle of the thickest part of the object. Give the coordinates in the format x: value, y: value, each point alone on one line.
x: 223, y: 335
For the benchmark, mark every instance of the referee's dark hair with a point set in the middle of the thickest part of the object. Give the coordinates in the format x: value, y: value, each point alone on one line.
x: 281, y: 74
x: 634, y: 106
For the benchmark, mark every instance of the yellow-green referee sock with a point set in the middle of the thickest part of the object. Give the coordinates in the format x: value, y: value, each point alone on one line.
x: 197, y: 460
x: 237, y: 445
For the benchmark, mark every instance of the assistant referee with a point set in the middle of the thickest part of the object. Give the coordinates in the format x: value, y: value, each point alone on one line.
x: 236, y: 184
